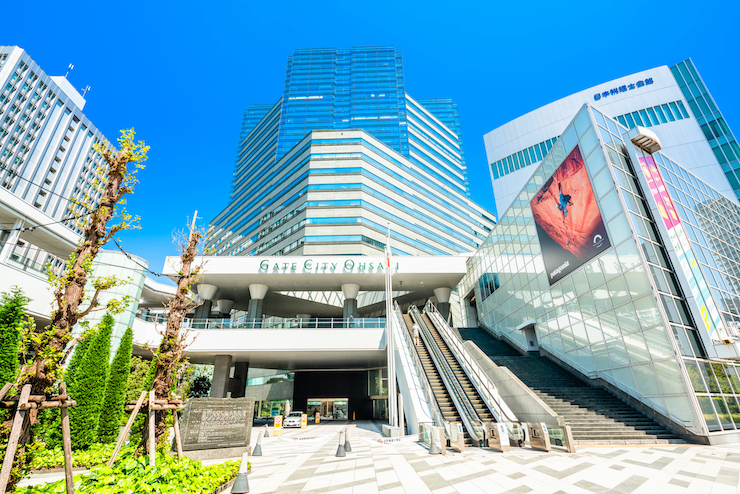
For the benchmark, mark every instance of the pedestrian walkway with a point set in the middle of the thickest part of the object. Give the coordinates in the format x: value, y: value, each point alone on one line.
x: 307, y: 465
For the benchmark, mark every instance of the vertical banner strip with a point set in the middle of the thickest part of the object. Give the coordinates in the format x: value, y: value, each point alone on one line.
x: 680, y: 242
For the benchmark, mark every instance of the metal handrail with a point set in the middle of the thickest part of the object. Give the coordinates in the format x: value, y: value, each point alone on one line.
x: 691, y: 425
x: 271, y: 323
x: 480, y: 380
x: 439, y: 419
x: 467, y: 412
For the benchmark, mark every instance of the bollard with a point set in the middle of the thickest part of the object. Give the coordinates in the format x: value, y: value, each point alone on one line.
x: 347, y: 446
x: 257, y: 451
x: 340, y: 448
x: 433, y: 449
x: 267, y: 434
x: 241, y: 483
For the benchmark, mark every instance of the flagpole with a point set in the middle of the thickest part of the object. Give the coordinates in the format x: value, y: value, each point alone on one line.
x: 390, y: 342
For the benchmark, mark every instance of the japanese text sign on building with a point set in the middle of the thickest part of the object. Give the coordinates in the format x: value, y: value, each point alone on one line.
x: 623, y: 89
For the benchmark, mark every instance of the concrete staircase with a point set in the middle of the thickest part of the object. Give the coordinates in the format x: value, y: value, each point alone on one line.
x: 594, y: 415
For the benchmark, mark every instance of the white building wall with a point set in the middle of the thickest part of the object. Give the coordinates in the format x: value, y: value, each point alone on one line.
x: 682, y: 139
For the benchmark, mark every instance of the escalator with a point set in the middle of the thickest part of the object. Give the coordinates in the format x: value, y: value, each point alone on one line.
x: 472, y: 393
x: 441, y: 395
x: 463, y: 392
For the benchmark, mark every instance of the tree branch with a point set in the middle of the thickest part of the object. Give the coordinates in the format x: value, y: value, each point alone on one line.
x: 93, y: 303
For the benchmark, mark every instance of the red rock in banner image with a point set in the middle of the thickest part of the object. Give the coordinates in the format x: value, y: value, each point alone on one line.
x: 566, y: 207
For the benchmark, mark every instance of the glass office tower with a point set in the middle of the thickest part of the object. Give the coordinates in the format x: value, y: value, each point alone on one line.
x: 620, y: 263
x: 345, y: 157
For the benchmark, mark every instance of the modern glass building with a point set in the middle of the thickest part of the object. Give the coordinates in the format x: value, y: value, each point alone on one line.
x: 672, y: 101
x: 620, y: 263
x: 344, y: 157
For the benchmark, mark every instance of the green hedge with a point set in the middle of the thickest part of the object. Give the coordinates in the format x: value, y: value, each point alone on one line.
x: 97, y: 454
x: 88, y: 386
x: 115, y: 391
x: 12, y: 314
x: 132, y: 475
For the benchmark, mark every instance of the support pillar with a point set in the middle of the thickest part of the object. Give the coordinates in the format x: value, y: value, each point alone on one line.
x: 443, y: 301
x: 350, y: 291
x: 207, y: 293
x: 238, y: 383
x: 257, y: 293
x: 10, y: 241
x: 224, y: 306
x: 203, y: 310
x: 221, y: 376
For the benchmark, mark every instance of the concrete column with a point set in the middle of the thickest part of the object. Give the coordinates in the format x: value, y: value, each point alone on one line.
x: 207, y: 293
x: 225, y: 306
x: 238, y: 383
x: 350, y: 291
x: 257, y: 293
x: 221, y: 376
x: 443, y: 301
x: 10, y: 242
x: 203, y: 310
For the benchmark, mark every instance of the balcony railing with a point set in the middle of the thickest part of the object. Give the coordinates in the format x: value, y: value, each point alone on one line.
x: 27, y: 264
x: 271, y: 323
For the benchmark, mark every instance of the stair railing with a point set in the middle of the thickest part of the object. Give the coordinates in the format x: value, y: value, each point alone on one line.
x: 439, y: 419
x: 482, y: 383
x: 692, y: 426
x: 469, y: 415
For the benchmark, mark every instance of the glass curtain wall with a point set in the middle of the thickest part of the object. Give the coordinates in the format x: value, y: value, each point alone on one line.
x: 711, y: 222
x: 329, y: 88
x: 710, y: 119
x: 603, y: 318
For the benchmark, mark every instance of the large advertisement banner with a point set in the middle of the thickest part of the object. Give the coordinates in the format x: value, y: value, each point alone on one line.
x: 569, y: 224
x: 682, y: 246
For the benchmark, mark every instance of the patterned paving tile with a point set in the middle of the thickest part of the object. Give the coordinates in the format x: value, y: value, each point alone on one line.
x: 309, y: 466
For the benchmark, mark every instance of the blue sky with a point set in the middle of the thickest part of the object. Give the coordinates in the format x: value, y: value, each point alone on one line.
x: 182, y: 73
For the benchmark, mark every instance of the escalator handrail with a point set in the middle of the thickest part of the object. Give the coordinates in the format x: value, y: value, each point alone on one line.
x: 467, y: 412
x: 483, y: 384
x: 439, y: 419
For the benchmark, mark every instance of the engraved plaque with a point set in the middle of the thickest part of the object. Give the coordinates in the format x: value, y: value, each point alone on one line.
x: 212, y: 423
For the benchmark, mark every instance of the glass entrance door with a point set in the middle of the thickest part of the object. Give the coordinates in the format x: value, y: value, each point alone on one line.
x: 380, y: 409
x: 329, y: 408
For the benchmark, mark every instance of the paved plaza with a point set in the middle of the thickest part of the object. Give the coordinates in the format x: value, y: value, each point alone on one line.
x: 309, y: 466
x: 303, y: 461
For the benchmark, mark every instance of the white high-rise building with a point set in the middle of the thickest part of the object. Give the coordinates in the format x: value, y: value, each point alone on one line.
x: 672, y: 101
x: 46, y: 159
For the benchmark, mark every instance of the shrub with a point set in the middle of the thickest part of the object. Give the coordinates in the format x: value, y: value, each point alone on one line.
x: 136, y: 378
x: 50, y: 421
x: 201, y: 387
x: 88, y: 386
x: 97, y: 454
x: 115, y: 391
x: 12, y: 317
x: 134, y: 475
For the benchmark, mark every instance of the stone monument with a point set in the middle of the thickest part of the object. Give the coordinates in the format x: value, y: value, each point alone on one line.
x: 217, y: 427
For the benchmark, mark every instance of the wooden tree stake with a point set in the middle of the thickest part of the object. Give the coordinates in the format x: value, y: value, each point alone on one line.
x: 127, y: 429
x: 152, y: 425
x: 66, y: 443
x: 15, y: 434
x: 178, y: 441
x: 5, y: 390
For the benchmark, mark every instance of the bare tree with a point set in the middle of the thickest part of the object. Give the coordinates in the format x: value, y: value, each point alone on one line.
x: 168, y: 358
x: 115, y: 177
